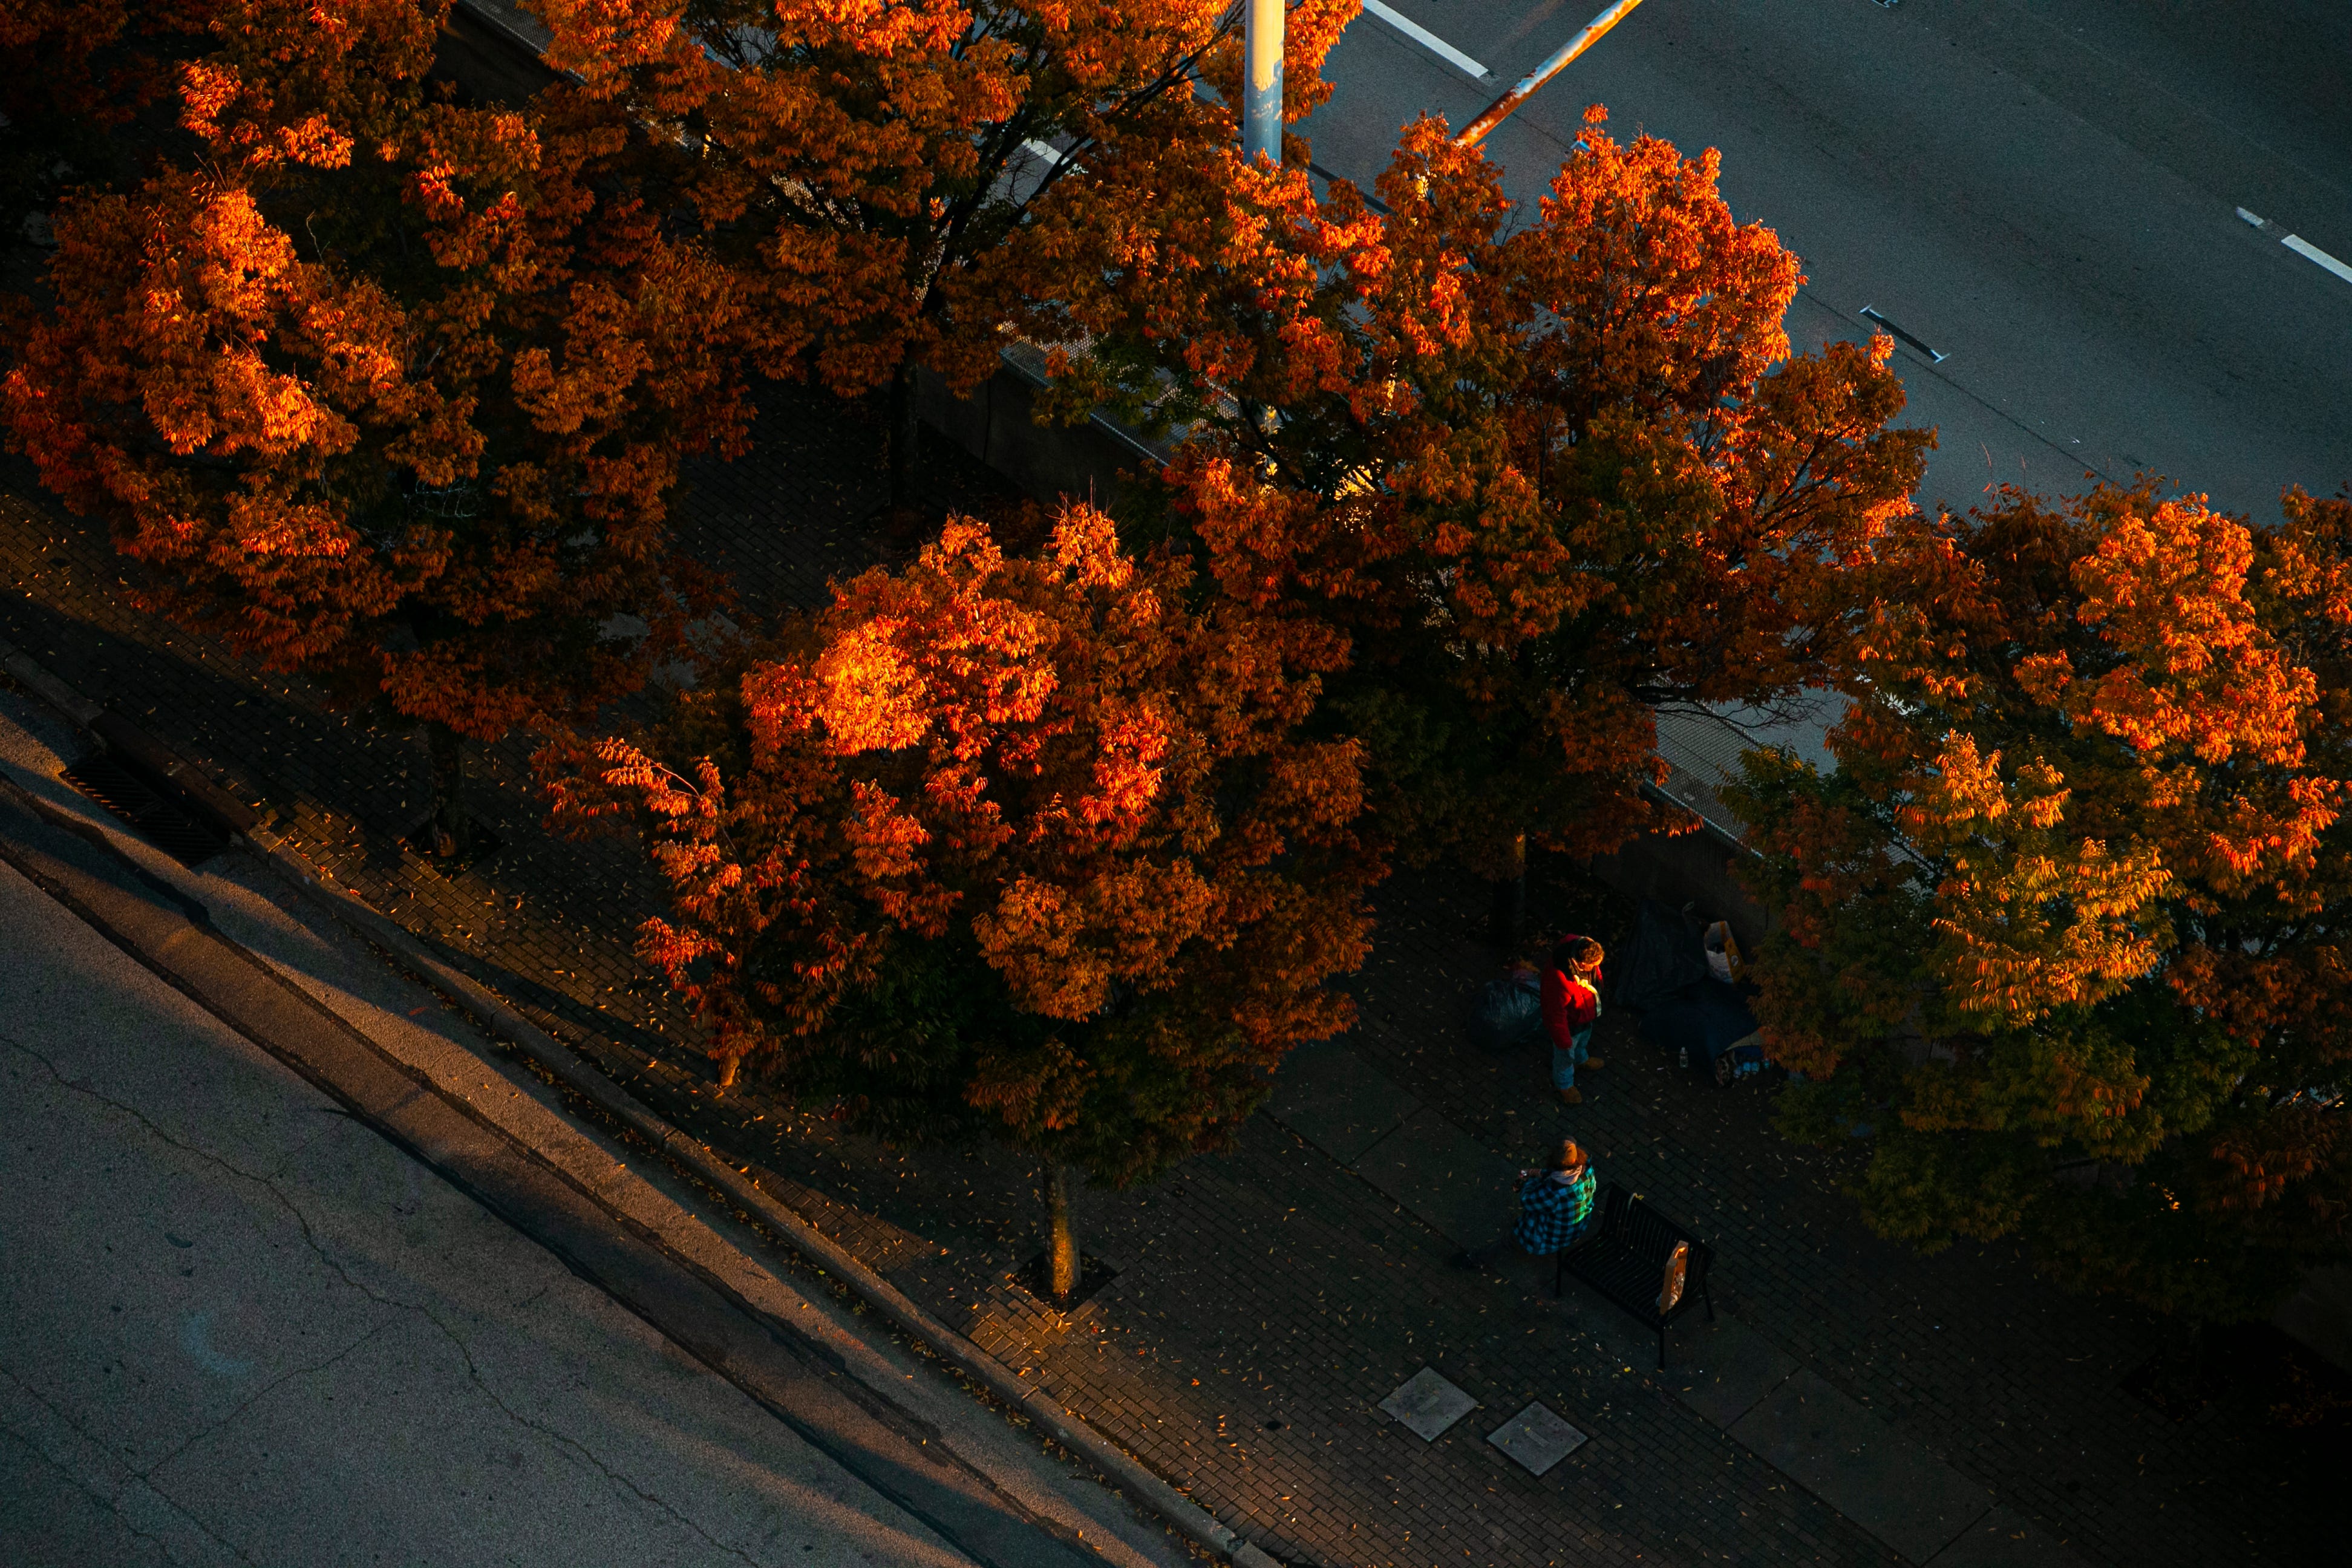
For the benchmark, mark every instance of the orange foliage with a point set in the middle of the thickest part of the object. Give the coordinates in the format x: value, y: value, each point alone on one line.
x: 1544, y: 478
x: 1047, y: 779
x: 387, y: 392
x: 873, y: 168
x: 2078, y: 889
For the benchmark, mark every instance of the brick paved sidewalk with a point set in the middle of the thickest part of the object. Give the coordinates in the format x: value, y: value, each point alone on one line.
x: 1266, y: 1301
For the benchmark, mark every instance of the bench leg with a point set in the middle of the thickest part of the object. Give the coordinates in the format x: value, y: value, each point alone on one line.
x: 1662, y: 1349
x: 1558, y: 1272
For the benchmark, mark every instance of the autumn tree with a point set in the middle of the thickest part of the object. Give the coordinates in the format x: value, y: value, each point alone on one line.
x: 382, y: 391
x: 1547, y: 475
x: 1024, y: 847
x: 2067, y: 926
x: 72, y: 74
x: 875, y: 168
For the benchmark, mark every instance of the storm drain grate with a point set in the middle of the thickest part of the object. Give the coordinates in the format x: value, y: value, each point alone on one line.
x: 159, y: 819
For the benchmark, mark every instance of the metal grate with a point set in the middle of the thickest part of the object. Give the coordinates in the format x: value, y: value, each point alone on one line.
x: 1093, y: 1275
x: 159, y: 818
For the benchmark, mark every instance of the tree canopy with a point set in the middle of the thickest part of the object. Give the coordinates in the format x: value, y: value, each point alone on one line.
x: 2067, y: 925
x: 872, y: 171
x: 1024, y: 846
x: 1544, y: 476
x: 1069, y: 847
x: 379, y: 389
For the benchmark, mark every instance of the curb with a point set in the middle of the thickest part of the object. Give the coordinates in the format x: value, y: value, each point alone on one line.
x: 546, y: 1052
x: 1113, y: 1463
x: 563, y: 1191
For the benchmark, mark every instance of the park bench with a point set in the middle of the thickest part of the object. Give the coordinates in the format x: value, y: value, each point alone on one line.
x: 1624, y: 1258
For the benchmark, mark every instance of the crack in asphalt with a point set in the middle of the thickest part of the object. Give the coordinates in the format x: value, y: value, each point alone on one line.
x: 267, y: 1184
x: 255, y: 1398
x: 104, y: 1501
x: 572, y: 1445
x: 317, y: 1247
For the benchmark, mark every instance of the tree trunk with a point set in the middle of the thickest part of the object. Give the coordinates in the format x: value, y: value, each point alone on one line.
x: 1506, y: 917
x: 448, y: 826
x: 906, y: 436
x: 1060, y: 1247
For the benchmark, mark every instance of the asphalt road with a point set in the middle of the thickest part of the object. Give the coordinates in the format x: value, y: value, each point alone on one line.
x: 2042, y: 191
x: 235, y: 1326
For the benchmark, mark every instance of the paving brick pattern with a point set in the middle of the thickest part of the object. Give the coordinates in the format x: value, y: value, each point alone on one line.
x: 2011, y: 1380
x: 1266, y: 1299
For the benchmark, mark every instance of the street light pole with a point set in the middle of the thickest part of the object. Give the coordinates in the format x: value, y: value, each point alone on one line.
x: 1500, y: 109
x: 1262, y: 80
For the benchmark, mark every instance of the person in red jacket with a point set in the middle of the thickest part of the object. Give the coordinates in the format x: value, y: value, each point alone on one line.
x: 1571, y: 1006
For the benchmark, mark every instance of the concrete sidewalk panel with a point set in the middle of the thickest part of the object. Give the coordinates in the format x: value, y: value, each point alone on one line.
x: 1332, y: 1098
x: 1428, y: 1405
x: 2005, y: 1539
x: 1724, y: 1369
x: 1859, y: 1466
x: 1536, y: 1438
x: 1443, y: 1177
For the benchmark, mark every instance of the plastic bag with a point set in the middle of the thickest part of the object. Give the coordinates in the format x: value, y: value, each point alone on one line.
x: 1509, y: 1012
x: 1722, y: 952
x: 1670, y: 1286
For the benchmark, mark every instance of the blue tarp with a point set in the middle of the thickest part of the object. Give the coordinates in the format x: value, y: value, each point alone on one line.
x: 1666, y: 955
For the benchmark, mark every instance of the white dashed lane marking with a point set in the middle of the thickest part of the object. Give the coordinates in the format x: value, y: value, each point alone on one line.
x: 2299, y: 245
x: 1424, y: 38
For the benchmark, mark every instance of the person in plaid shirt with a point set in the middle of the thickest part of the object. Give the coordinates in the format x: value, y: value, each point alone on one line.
x: 1555, y: 1208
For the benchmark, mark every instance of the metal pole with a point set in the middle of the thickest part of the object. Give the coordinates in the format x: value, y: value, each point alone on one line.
x: 1500, y: 109
x: 1262, y: 80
